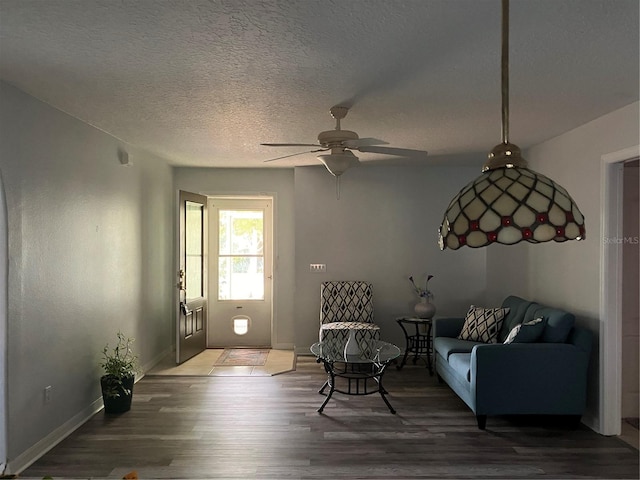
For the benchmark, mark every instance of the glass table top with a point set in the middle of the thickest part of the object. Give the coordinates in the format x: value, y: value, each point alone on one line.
x: 377, y: 352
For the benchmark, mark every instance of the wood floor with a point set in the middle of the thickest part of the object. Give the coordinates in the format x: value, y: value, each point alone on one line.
x: 268, y: 428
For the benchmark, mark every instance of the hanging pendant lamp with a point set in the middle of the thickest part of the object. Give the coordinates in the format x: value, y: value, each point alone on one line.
x: 509, y: 203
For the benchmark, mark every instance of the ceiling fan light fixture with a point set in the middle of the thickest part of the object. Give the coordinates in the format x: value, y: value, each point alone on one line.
x: 338, y: 163
x: 509, y: 203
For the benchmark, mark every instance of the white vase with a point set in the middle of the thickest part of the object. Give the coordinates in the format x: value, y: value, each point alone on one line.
x: 425, y: 309
x: 351, y: 347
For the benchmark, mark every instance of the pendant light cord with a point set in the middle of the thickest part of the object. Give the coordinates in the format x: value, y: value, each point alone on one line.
x: 505, y: 71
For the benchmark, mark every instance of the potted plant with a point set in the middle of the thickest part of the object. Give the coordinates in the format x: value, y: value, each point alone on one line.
x: 120, y: 366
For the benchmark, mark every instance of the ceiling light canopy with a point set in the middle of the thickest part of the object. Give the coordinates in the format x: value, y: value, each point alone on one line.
x: 509, y: 203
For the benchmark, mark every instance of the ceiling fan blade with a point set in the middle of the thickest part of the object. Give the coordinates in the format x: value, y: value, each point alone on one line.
x: 294, y: 154
x: 367, y: 141
x: 290, y: 144
x: 402, y: 152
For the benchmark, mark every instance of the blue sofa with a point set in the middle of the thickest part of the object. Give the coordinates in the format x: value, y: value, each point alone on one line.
x: 546, y: 376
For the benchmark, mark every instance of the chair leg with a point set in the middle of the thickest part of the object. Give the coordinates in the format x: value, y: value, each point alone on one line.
x: 482, y: 421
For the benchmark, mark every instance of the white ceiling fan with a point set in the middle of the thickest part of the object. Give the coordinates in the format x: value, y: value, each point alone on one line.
x: 340, y: 143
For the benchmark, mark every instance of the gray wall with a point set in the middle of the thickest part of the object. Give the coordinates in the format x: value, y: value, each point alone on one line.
x: 383, y: 229
x: 90, y: 253
x: 507, y: 272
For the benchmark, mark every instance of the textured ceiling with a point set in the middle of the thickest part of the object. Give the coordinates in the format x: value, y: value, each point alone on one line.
x: 204, y: 82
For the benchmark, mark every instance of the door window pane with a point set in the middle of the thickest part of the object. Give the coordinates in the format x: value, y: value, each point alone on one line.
x: 240, y: 255
x: 193, y: 250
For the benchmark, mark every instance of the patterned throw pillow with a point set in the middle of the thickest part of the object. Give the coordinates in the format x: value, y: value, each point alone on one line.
x: 483, y: 324
x: 527, y: 332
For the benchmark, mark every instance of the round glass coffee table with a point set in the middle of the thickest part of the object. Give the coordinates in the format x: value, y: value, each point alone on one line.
x: 355, y: 374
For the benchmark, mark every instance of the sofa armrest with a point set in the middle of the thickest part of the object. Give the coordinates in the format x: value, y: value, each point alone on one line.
x: 529, y: 378
x: 447, y: 327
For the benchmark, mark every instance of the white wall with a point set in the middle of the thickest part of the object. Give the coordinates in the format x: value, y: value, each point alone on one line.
x: 276, y: 182
x: 568, y: 275
x: 383, y: 229
x: 90, y: 250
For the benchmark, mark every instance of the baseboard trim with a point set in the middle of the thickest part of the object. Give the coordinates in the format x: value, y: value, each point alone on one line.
x: 302, y: 350
x: 155, y: 361
x: 282, y: 346
x: 29, y: 456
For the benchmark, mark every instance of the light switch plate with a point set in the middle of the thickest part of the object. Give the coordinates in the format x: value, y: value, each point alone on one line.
x: 317, y: 267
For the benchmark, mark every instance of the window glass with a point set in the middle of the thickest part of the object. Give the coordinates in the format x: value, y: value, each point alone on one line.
x: 241, y: 255
x: 193, y: 250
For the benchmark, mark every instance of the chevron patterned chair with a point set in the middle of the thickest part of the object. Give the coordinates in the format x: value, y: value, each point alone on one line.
x: 346, y: 309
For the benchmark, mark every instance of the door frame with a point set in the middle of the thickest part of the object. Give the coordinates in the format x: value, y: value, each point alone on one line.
x: 4, y: 325
x: 610, y: 341
x: 265, y: 196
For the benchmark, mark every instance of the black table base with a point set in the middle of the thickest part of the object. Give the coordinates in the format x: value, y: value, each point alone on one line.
x: 418, y: 344
x: 354, y: 379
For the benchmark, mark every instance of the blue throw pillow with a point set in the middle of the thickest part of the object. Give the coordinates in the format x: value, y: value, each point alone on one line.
x: 558, y: 324
x: 527, y: 332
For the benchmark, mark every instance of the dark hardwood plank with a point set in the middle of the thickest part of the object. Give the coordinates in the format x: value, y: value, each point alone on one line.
x: 268, y: 428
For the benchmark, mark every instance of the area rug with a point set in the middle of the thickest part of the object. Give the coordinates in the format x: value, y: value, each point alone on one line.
x: 245, y: 357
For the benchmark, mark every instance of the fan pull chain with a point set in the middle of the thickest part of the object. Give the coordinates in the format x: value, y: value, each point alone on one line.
x: 338, y: 187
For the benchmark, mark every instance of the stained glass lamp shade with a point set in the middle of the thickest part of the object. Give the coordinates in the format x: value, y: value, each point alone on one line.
x: 508, y: 205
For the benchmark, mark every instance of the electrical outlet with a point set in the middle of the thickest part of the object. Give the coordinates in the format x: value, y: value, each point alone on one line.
x: 317, y: 267
x: 47, y: 393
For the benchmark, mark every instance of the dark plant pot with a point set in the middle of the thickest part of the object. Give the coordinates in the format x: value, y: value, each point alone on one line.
x: 124, y: 393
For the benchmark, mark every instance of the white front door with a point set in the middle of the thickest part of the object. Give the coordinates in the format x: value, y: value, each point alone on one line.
x: 240, y: 280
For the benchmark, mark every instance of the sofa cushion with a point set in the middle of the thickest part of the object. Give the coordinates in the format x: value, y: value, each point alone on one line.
x: 461, y: 363
x: 517, y: 307
x: 558, y: 324
x: 527, y: 332
x: 445, y: 346
x: 482, y: 324
x: 532, y: 312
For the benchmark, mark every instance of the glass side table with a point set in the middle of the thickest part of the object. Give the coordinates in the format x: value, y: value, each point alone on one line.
x: 355, y: 374
x: 418, y: 343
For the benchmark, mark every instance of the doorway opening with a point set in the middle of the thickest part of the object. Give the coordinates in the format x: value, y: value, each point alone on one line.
x: 611, y: 281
